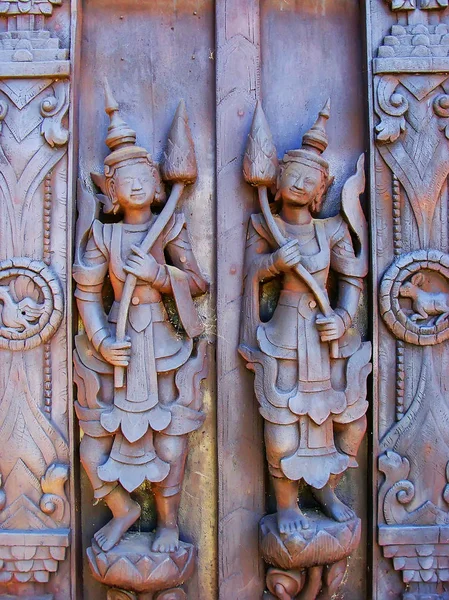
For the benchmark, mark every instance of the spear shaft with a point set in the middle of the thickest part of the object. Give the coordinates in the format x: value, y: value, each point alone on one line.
x: 131, y: 280
x: 298, y: 269
x: 180, y: 168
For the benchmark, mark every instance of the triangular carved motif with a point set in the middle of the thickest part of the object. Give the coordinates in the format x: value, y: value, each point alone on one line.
x: 22, y: 92
x: 20, y: 481
x: 421, y: 85
x: 24, y: 514
x: 21, y: 124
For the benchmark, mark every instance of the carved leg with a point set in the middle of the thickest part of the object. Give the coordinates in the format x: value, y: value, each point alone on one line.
x: 281, y: 441
x: 94, y: 452
x: 331, y: 505
x: 167, y: 494
x: 348, y: 438
x: 125, y: 513
x: 442, y: 318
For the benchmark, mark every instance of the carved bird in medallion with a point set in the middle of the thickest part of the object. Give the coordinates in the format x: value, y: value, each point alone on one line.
x: 18, y: 315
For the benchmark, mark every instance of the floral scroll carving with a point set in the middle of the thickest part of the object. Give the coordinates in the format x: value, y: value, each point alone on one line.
x: 35, y: 511
x: 411, y: 101
x: 313, y: 425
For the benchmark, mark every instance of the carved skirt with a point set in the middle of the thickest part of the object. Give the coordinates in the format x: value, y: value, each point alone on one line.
x: 133, y: 413
x: 312, y: 405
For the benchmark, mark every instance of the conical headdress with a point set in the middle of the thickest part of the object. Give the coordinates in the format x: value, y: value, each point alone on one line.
x: 314, y: 143
x: 121, y: 139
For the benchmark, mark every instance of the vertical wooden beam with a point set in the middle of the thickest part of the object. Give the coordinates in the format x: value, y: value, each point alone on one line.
x: 408, y: 67
x: 240, y: 454
x: 37, y: 492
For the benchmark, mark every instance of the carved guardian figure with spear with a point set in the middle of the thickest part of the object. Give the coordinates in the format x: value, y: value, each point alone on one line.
x: 309, y: 362
x: 138, y: 378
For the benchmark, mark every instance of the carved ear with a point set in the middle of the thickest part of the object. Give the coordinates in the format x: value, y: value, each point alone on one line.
x: 329, y: 182
x: 100, y: 181
x: 107, y: 197
x: 418, y: 279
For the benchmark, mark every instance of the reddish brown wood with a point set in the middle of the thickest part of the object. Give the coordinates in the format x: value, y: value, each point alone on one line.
x: 410, y: 158
x: 240, y: 458
x: 36, y: 518
x: 149, y: 76
x: 309, y: 362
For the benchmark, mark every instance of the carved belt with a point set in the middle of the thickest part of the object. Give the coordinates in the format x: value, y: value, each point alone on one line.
x: 158, y: 313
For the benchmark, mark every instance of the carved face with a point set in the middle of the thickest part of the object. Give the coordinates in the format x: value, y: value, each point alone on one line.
x: 300, y: 184
x: 134, y: 186
x: 407, y: 290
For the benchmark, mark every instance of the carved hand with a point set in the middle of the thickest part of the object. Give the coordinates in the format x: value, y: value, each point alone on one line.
x: 116, y: 353
x: 287, y: 256
x: 330, y: 328
x: 142, y: 265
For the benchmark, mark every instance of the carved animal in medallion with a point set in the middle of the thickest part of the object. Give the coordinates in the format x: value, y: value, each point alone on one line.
x: 18, y: 315
x: 425, y: 304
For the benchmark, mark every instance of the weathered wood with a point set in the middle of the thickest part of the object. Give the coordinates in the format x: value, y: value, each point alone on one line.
x: 240, y: 456
x: 408, y: 65
x: 311, y: 394
x: 166, y: 55
x: 325, y: 58
x: 36, y: 461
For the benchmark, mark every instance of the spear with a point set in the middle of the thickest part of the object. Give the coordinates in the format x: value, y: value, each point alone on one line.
x: 180, y: 168
x: 260, y: 166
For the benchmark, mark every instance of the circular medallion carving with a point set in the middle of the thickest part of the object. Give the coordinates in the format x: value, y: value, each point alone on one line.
x: 31, y: 303
x: 414, y: 297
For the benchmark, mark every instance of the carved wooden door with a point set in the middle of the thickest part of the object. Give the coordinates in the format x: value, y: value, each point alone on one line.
x: 218, y: 218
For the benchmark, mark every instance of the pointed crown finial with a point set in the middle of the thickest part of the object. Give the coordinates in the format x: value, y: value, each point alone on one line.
x: 315, y: 139
x: 314, y: 143
x: 121, y: 139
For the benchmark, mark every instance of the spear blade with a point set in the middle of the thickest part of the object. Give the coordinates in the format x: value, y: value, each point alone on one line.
x: 260, y: 163
x: 179, y: 163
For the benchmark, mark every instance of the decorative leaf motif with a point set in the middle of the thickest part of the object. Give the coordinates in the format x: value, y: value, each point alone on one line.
x: 260, y: 163
x: 180, y: 162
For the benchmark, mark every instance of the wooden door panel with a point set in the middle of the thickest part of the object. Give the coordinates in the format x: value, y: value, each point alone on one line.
x: 149, y: 77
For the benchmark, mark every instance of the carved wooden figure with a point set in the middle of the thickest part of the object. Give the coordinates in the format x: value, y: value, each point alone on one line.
x: 138, y: 377
x: 309, y: 362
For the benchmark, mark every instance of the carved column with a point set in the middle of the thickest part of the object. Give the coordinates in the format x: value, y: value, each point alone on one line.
x: 35, y: 299
x: 410, y: 166
x: 241, y: 472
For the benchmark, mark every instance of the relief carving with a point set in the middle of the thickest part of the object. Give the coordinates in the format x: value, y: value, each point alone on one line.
x: 309, y: 362
x: 138, y: 373
x: 34, y: 416
x: 411, y: 89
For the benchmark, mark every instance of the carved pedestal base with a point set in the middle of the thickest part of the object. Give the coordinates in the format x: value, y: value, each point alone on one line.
x: 136, y: 572
x: 308, y: 563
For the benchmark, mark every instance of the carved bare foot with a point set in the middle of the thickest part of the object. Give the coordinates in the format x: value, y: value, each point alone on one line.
x: 332, y: 506
x: 166, y: 539
x: 110, y: 535
x: 291, y: 520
